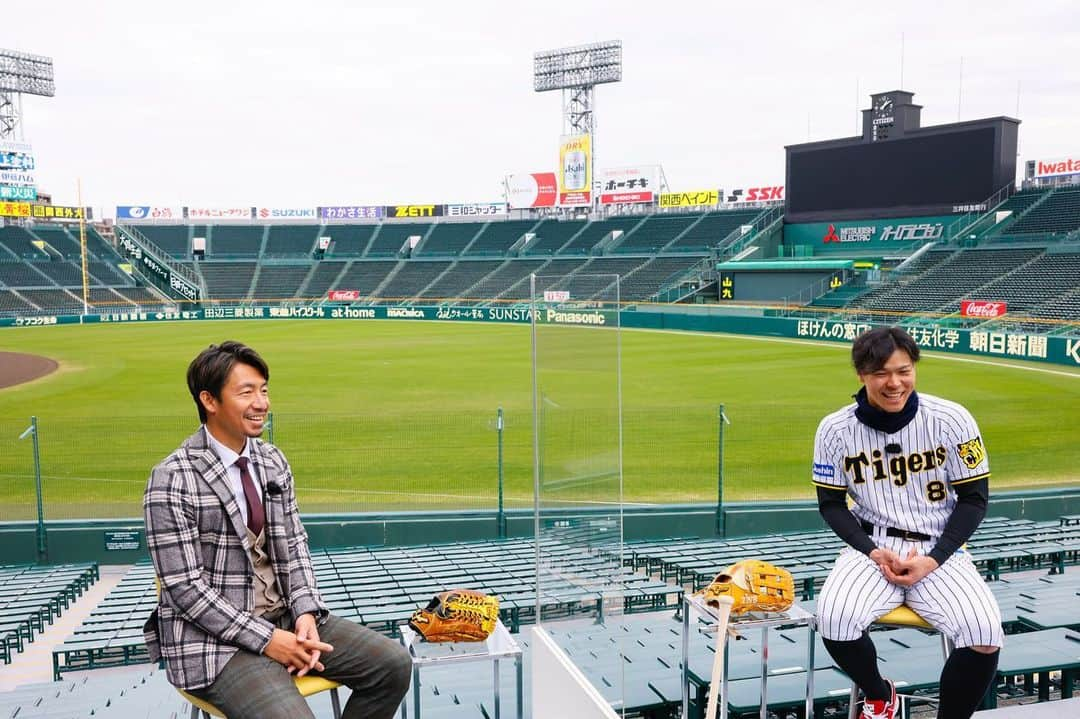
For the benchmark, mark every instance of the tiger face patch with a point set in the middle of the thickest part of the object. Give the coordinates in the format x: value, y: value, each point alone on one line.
x: 972, y: 452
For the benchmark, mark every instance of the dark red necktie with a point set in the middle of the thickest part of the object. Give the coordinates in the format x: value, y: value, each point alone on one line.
x: 256, y: 518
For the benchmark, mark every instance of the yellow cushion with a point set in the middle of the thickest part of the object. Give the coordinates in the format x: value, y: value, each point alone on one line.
x: 204, y: 706
x: 310, y: 684
x: 904, y: 616
x: 306, y: 685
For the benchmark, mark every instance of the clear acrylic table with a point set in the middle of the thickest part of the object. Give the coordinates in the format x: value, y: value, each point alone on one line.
x: 796, y: 616
x: 499, y: 645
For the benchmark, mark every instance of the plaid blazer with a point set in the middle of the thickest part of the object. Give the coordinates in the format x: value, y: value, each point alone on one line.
x: 202, y: 556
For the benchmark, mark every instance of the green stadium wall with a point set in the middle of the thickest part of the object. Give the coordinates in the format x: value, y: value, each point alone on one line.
x: 89, y: 540
x: 873, y: 237
x: 686, y: 318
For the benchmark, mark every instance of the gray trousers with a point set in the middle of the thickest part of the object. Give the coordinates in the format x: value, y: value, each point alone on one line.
x: 376, y: 668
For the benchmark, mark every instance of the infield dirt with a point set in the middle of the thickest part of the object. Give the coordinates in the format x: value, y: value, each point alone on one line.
x: 16, y: 368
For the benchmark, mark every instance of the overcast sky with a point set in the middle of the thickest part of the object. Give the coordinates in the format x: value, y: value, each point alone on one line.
x: 327, y: 102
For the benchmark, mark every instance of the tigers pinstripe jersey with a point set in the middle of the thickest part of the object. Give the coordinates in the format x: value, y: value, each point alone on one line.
x: 904, y: 479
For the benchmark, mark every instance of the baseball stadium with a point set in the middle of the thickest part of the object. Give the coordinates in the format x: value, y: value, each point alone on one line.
x: 581, y: 402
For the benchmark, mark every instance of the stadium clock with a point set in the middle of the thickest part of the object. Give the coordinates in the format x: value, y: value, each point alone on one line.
x: 883, y: 108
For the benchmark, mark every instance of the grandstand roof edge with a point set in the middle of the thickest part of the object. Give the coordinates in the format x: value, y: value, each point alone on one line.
x: 788, y: 265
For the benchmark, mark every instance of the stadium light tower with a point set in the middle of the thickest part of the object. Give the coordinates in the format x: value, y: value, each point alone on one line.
x: 577, y: 71
x: 21, y: 74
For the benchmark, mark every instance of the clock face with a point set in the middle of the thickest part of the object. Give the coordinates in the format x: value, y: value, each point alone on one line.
x: 884, y: 105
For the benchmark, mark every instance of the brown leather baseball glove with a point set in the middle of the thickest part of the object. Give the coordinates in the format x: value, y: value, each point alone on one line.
x: 754, y: 586
x: 457, y: 615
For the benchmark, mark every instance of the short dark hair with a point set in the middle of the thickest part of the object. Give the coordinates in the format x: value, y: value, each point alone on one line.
x: 873, y: 348
x: 211, y: 368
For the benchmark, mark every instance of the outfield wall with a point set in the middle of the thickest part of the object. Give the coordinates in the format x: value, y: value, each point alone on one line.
x: 1007, y: 345
x: 123, y: 541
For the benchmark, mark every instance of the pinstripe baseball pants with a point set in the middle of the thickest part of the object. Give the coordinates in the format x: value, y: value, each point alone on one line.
x: 953, y: 598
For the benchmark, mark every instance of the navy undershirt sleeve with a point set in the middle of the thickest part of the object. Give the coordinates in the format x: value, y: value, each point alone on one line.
x: 832, y: 503
x: 971, y: 501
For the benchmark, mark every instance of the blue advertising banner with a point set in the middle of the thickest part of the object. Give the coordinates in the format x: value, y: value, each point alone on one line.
x: 351, y: 212
x: 19, y: 193
x: 16, y: 161
x: 148, y: 212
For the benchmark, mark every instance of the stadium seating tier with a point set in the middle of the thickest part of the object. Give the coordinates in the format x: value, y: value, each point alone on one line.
x: 322, y: 279
x: 235, y: 241
x: 498, y: 237
x: 174, y: 240
x: 480, y: 262
x: 1058, y: 213
x: 291, y: 240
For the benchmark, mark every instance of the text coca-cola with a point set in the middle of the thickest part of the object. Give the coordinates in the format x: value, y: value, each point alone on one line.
x: 983, y: 309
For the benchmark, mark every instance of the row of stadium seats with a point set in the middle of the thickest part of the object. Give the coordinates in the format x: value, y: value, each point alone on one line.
x: 41, y: 268
x: 1022, y: 200
x: 998, y: 545
x: 482, y: 262
x: 142, y: 692
x: 56, y: 300
x: 1034, y: 281
x: 693, y: 233
x: 1065, y: 308
x: 635, y: 663
x: 380, y: 586
x: 936, y: 281
x: 32, y: 597
x: 1036, y: 212
x: 63, y: 273
x: 1054, y: 213
x: 253, y: 262
x: 424, y: 279
x: 43, y: 241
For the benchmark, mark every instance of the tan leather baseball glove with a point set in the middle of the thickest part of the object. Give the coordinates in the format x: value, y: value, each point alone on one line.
x: 754, y: 586
x: 457, y: 615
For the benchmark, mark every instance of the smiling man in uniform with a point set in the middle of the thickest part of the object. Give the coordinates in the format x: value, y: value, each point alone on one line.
x: 917, y: 471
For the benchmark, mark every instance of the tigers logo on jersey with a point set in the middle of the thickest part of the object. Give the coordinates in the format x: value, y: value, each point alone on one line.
x: 972, y: 452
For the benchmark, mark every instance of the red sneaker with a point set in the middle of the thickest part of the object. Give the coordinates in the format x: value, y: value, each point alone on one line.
x: 880, y: 708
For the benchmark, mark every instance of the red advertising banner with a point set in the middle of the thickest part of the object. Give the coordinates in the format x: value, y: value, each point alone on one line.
x: 343, y: 295
x: 629, y: 184
x: 1057, y: 167
x: 622, y: 198
x: 538, y: 189
x: 982, y: 309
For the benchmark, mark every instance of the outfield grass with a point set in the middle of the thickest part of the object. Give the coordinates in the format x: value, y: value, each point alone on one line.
x: 396, y: 415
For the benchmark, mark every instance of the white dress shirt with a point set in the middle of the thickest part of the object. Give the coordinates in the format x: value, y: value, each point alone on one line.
x: 228, y: 458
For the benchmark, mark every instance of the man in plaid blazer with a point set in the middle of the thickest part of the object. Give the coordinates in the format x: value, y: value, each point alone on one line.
x: 239, y: 613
